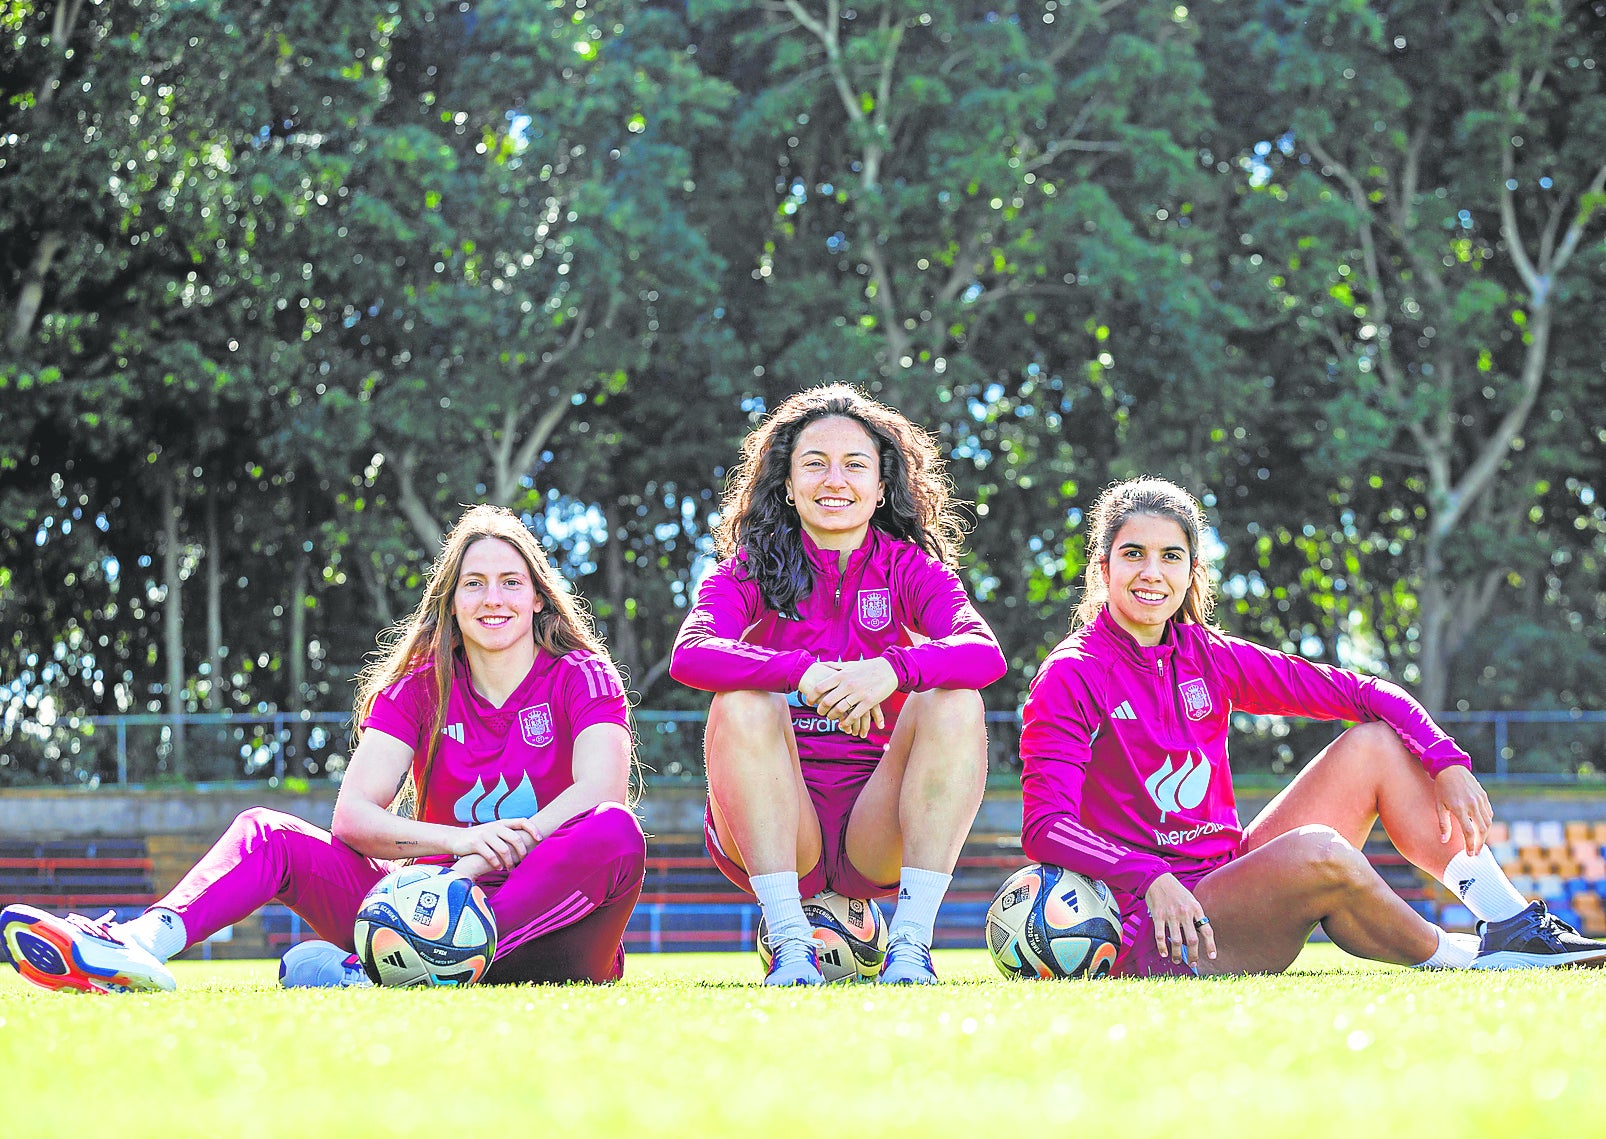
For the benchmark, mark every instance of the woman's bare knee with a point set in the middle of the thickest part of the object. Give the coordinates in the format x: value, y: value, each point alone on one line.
x: 1330, y: 863
x: 1375, y: 742
x: 953, y: 707
x: 747, y: 709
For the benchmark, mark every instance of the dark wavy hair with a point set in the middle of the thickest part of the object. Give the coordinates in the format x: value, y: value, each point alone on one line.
x: 755, y: 517
x: 1120, y: 502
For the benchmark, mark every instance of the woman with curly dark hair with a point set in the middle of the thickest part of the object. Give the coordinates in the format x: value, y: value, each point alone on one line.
x: 846, y: 745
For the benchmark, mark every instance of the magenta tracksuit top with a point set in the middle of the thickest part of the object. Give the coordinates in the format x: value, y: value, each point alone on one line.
x: 1124, y: 747
x: 893, y: 600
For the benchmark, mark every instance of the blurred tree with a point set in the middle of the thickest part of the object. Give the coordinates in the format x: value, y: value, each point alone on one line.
x: 154, y: 158
x: 1420, y: 245
x: 986, y: 213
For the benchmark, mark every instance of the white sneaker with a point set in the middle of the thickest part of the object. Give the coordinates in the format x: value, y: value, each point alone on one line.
x: 78, y: 954
x: 321, y: 965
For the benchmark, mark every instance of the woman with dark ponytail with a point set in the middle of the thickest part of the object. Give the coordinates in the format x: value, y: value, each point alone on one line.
x: 1126, y: 779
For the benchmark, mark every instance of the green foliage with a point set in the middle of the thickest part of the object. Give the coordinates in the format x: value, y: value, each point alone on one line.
x: 327, y: 272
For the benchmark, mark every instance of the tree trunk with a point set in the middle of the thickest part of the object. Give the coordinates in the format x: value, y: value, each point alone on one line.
x: 32, y: 294
x: 214, y: 610
x: 296, y: 662
x: 173, y: 620
x: 622, y: 639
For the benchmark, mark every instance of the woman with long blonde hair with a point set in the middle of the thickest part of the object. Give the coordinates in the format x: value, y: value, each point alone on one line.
x: 497, y: 723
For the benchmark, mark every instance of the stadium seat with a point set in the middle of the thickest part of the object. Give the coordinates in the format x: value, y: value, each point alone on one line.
x: 1455, y: 917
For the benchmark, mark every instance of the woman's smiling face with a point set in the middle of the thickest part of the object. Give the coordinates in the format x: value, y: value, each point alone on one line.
x: 1147, y: 575
x: 835, y: 481
x: 495, y: 601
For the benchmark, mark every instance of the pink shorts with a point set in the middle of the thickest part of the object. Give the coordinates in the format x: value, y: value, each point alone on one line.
x: 833, y: 789
x: 1139, y: 956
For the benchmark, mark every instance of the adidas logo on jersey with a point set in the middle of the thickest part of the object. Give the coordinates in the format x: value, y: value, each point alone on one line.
x: 453, y: 732
x: 1123, y: 711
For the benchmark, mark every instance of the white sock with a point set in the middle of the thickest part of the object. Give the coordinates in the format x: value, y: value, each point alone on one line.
x: 157, y: 931
x: 920, y: 892
x: 783, y: 906
x: 1484, y: 888
x: 1454, y: 952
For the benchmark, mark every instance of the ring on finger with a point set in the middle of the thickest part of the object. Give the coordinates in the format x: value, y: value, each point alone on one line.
x: 1200, y: 922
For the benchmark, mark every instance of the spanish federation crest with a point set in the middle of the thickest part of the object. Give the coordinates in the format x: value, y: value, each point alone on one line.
x: 535, y: 724
x: 875, y: 609
x: 1195, y: 699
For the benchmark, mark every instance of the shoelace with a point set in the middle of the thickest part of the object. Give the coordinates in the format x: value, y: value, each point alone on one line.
x: 908, y: 947
x: 97, y: 927
x: 1550, y: 924
x: 795, y: 948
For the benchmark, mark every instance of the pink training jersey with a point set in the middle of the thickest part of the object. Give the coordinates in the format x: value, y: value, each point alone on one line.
x: 1124, y: 747
x: 893, y: 600
x: 507, y: 762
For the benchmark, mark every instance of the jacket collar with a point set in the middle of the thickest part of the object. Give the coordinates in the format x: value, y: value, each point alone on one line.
x: 1126, y: 645
x: 825, y: 561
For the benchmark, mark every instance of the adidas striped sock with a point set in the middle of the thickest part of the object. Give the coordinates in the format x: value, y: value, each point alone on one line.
x: 1482, y: 886
x: 1455, y: 951
x: 783, y: 906
x: 157, y: 931
x: 920, y: 893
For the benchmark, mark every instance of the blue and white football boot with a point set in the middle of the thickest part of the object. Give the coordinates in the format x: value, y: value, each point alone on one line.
x: 796, y: 962
x: 908, y: 962
x: 76, y: 954
x: 1535, y: 939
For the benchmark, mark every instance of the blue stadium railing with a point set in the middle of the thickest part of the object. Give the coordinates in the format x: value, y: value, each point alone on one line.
x: 276, y: 747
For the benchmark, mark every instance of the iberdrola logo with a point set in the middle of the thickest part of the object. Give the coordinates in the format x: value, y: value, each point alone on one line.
x: 1182, y: 788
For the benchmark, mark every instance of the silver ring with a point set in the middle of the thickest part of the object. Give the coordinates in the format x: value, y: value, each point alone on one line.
x: 1200, y: 923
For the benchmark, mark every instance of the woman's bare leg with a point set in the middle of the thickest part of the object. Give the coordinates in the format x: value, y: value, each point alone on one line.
x: 759, y: 803
x: 1364, y: 775
x: 916, y: 809
x: 1263, y: 905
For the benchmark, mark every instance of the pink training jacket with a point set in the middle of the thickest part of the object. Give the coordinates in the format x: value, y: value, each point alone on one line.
x: 1124, y: 747
x: 893, y: 601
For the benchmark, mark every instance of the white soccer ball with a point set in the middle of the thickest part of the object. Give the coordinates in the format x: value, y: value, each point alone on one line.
x: 850, y: 936
x: 425, y: 925
x: 1051, y: 922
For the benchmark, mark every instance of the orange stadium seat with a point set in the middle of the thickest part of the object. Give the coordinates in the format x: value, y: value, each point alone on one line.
x: 1591, y: 914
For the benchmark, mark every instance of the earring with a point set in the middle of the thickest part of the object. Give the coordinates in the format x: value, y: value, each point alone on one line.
x: 881, y: 501
x: 790, y: 501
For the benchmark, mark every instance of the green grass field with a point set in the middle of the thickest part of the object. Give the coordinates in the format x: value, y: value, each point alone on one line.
x: 691, y: 1045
